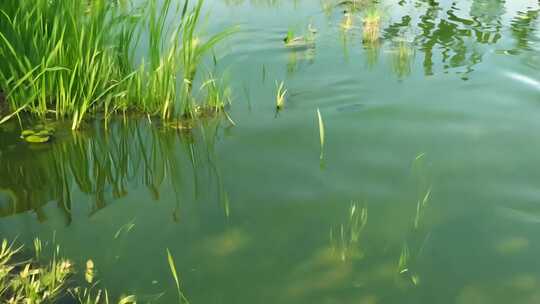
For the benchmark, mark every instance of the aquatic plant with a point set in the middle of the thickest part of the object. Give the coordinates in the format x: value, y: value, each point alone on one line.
x: 86, y: 66
x: 280, y: 95
x: 345, y: 239
x: 423, y: 188
x: 295, y: 41
x: 89, y: 296
x: 29, y: 283
x: 404, y: 257
x: 34, y: 281
x: 404, y: 265
x: 420, y: 206
x: 371, y: 25
x: 321, y: 132
x: 38, y: 134
x: 181, y: 297
x: 217, y: 97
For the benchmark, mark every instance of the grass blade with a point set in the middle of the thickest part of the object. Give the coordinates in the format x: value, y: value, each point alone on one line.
x: 321, y: 132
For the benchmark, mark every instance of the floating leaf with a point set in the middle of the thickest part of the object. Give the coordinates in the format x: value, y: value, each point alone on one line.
x: 26, y: 133
x: 36, y: 139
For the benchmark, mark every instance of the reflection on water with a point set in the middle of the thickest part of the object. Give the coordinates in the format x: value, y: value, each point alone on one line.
x: 103, y: 164
x: 448, y: 36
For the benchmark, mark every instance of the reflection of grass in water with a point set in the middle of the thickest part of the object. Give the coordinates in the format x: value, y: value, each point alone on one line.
x: 345, y: 239
x: 372, y: 51
x: 403, y: 56
x: 104, y: 165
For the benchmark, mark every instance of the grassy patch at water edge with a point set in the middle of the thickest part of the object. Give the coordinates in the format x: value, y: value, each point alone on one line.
x: 71, y: 58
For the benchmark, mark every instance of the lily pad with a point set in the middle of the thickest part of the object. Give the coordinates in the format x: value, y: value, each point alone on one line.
x: 38, y: 134
x: 26, y: 133
x: 44, y: 132
x: 37, y: 139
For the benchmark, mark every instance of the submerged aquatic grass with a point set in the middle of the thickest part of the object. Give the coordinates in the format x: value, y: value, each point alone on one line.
x: 181, y: 297
x: 345, y: 239
x: 71, y: 59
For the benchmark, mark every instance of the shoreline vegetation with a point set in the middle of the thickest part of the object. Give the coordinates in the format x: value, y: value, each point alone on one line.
x: 43, y: 278
x: 72, y: 59
x: 39, y: 279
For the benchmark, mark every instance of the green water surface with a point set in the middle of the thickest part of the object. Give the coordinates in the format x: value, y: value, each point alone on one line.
x: 437, y: 145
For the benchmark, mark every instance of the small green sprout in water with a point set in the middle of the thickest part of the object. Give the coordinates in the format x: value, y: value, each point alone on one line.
x: 321, y: 133
x: 281, y: 94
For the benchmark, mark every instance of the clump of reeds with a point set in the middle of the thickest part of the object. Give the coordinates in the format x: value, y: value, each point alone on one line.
x: 70, y: 59
x: 372, y: 25
x: 27, y: 282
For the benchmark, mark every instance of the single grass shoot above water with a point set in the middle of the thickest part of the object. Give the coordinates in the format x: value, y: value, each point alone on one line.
x: 321, y: 133
x: 281, y: 95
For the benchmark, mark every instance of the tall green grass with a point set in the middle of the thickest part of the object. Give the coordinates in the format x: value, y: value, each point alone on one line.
x: 71, y: 58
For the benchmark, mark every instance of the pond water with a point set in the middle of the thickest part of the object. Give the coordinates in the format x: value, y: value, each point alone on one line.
x: 428, y: 190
